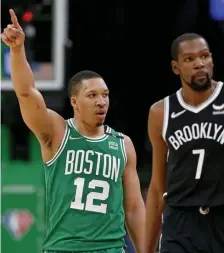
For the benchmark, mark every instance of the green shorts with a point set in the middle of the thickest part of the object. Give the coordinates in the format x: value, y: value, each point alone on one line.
x: 111, y: 250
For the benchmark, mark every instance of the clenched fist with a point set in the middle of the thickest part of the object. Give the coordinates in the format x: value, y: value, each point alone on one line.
x: 13, y: 36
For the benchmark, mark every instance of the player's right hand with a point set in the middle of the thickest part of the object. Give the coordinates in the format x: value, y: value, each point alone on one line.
x: 13, y: 36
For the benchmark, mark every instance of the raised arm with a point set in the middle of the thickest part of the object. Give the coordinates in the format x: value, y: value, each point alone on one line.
x: 155, y: 203
x: 33, y: 108
x: 133, y: 202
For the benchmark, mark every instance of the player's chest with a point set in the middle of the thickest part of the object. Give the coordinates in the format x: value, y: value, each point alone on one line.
x: 192, y: 128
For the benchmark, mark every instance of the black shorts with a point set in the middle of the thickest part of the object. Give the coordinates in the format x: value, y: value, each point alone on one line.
x: 192, y: 230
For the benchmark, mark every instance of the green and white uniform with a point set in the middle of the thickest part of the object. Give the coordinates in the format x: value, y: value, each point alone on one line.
x: 84, y: 192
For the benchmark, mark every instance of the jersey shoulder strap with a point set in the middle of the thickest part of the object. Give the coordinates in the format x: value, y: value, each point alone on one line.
x: 117, y: 137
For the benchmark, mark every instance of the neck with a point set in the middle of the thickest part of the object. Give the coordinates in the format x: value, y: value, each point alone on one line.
x: 195, y: 98
x: 87, y: 129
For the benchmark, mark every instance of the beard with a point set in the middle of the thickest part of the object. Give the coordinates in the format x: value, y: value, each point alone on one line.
x: 200, y: 85
x: 99, y: 124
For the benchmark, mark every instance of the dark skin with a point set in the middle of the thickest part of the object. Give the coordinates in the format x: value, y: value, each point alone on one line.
x: 194, y: 65
x: 90, y: 106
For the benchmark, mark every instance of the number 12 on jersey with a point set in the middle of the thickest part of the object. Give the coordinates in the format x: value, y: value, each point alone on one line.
x: 91, y: 196
x: 201, y: 156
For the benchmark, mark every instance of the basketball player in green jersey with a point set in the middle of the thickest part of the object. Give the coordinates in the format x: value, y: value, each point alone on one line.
x: 92, y: 187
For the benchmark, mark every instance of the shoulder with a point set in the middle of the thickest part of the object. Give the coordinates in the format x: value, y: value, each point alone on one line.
x: 56, y: 118
x: 158, y: 107
x: 127, y: 140
x: 58, y: 126
x: 129, y: 146
x: 156, y: 118
x: 156, y: 111
x: 113, y: 133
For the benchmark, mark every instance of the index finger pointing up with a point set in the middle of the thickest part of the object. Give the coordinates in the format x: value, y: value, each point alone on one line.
x: 14, y: 18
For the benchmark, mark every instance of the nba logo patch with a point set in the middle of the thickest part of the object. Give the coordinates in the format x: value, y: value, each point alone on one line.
x: 17, y: 222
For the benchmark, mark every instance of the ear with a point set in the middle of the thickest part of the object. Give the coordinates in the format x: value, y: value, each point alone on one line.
x: 212, y: 59
x: 73, y: 101
x: 175, y: 68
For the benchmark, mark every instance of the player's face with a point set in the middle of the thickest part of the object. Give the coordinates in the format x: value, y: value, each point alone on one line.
x: 194, y: 64
x: 92, y: 102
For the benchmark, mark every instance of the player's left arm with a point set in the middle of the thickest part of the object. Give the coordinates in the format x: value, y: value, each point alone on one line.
x: 134, y: 206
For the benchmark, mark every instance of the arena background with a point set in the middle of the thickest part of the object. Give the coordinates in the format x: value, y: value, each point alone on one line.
x: 128, y: 43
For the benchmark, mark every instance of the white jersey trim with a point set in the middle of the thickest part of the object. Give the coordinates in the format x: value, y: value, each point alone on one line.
x: 197, y: 109
x: 90, y: 139
x: 123, y: 149
x: 62, y: 146
x: 105, y: 136
x: 165, y: 116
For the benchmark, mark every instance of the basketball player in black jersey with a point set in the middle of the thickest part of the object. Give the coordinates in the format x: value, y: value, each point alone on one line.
x: 185, y: 202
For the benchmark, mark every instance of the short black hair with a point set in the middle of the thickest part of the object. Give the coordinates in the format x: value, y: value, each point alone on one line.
x: 184, y: 37
x: 78, y: 78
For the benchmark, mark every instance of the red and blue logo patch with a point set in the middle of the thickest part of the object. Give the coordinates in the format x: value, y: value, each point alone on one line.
x: 17, y: 222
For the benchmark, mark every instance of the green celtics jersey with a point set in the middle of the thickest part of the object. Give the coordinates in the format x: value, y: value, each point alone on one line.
x: 84, y: 192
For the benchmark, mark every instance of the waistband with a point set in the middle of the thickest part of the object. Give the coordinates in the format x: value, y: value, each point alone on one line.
x: 201, y: 209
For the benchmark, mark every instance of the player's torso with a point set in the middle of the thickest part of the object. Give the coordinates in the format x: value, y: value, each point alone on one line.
x: 84, y: 187
x: 195, y: 138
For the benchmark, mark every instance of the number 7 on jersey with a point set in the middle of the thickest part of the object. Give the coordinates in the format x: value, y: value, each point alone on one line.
x: 201, y: 156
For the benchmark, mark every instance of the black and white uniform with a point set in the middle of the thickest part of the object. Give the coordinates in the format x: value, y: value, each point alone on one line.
x: 193, y: 221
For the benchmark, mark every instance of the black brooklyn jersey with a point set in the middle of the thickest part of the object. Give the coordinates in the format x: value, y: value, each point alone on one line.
x: 195, y: 138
